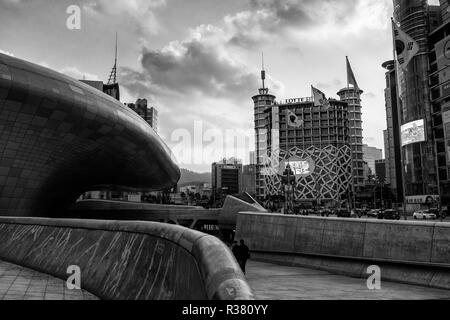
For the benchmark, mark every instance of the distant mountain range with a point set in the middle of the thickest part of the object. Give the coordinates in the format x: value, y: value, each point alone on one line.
x: 188, y: 176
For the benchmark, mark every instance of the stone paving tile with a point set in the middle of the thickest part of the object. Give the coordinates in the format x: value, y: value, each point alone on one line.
x: 19, y: 283
x: 276, y: 282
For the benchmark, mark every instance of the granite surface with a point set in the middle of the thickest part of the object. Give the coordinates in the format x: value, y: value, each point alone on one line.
x: 19, y: 283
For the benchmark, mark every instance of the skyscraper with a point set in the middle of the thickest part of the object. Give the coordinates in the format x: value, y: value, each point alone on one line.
x: 392, y: 147
x: 439, y: 77
x: 415, y: 105
x: 423, y: 91
x: 316, y: 145
x: 261, y: 102
x: 227, y: 177
x: 380, y: 170
x: 153, y: 118
x: 249, y: 179
x: 370, y: 155
x: 352, y: 95
x: 150, y: 115
x: 324, y: 150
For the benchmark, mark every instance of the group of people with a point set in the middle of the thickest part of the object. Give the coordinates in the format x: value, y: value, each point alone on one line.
x: 241, y: 253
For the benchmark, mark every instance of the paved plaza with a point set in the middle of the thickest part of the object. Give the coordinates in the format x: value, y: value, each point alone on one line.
x: 276, y: 282
x: 268, y: 281
x: 19, y: 283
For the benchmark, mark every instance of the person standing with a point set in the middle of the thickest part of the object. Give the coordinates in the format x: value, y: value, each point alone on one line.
x: 235, y: 249
x: 243, y: 254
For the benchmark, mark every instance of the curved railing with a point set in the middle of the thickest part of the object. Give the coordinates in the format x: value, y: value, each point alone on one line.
x: 126, y: 260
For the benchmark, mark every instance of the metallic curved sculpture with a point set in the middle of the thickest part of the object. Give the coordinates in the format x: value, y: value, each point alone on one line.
x: 60, y: 137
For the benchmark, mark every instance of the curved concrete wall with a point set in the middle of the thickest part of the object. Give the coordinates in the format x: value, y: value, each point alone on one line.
x: 126, y: 260
x: 187, y: 216
x: 339, y: 243
x: 61, y: 137
x: 231, y: 207
x: 132, y: 210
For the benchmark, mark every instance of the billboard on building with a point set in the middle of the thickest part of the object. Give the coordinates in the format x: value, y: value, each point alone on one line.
x: 300, y: 167
x: 446, y: 88
x: 446, y: 124
x: 413, y: 132
x: 320, y: 173
x: 443, y: 59
x: 425, y: 199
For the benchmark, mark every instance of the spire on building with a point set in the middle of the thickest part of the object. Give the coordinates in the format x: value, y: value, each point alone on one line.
x: 263, y: 90
x: 113, y: 76
x: 263, y: 72
x: 351, y: 79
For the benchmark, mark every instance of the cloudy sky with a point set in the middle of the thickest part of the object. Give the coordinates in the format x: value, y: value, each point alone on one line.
x: 199, y: 60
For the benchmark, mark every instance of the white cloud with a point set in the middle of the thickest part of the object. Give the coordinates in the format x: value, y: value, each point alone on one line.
x: 71, y: 71
x: 7, y: 53
x: 78, y: 74
x: 306, y: 20
x: 208, y: 76
x: 137, y: 13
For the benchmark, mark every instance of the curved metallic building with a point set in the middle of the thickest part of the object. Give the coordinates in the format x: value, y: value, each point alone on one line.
x: 60, y: 138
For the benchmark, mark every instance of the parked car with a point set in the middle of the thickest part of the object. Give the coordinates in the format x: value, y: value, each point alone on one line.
x: 373, y: 213
x: 354, y: 214
x: 324, y: 212
x: 342, y: 213
x: 362, y: 212
x: 389, y: 214
x: 424, y: 215
x: 437, y: 213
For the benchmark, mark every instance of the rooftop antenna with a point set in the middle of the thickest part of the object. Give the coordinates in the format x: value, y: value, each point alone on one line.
x: 263, y: 72
x: 113, y: 76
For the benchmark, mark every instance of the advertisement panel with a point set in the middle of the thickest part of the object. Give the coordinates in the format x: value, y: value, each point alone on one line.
x: 443, y: 59
x: 446, y: 124
x: 445, y: 90
x: 300, y: 167
x: 413, y: 132
x: 425, y: 199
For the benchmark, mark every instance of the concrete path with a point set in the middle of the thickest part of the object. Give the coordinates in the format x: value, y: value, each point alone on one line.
x: 19, y: 283
x: 275, y: 282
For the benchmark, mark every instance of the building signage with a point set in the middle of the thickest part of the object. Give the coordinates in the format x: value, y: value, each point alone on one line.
x: 446, y: 122
x: 300, y: 167
x: 443, y: 59
x: 448, y: 152
x: 446, y: 90
x: 229, y: 167
x: 446, y: 117
x: 413, y: 132
x: 297, y: 100
x: 427, y: 199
